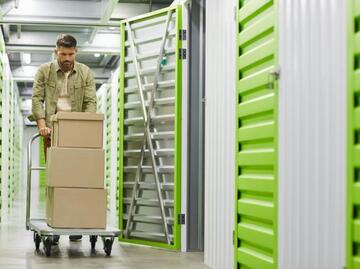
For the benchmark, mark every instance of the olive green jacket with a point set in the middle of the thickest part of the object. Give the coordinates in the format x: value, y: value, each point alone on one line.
x: 81, y: 88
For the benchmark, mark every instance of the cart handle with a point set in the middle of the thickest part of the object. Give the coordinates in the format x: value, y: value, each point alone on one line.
x: 28, y: 185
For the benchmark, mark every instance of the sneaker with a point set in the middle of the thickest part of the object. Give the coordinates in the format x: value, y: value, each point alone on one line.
x: 55, y: 241
x: 74, y: 238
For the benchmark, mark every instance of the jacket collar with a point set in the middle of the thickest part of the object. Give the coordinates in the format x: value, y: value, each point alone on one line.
x: 57, y: 66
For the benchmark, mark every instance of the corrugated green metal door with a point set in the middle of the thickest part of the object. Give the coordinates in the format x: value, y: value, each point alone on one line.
x: 353, y: 227
x: 256, y: 180
x: 42, y: 174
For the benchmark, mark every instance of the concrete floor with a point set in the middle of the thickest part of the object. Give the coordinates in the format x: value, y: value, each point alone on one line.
x: 17, y: 251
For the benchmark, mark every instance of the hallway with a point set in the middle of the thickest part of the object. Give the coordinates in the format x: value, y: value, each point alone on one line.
x: 17, y: 251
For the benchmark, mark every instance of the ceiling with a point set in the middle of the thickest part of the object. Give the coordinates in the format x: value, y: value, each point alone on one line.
x: 30, y: 29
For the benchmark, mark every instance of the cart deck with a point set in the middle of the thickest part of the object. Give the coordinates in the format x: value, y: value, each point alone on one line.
x: 40, y: 226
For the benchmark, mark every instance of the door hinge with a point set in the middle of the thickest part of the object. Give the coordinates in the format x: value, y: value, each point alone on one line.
x: 182, y: 34
x: 182, y: 54
x: 181, y: 219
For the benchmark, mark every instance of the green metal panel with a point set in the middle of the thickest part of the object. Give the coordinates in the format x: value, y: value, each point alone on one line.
x: 353, y: 212
x: 125, y: 78
x: 120, y: 125
x: 108, y: 142
x: 42, y: 174
x: 10, y: 148
x: 256, y: 137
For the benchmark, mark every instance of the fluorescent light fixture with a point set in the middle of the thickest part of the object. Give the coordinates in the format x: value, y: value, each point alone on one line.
x: 97, y: 55
x: 26, y: 57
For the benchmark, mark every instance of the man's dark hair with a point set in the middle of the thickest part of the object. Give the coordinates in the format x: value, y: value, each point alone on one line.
x: 66, y: 41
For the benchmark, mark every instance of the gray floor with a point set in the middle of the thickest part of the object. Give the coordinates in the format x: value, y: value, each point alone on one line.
x: 17, y: 251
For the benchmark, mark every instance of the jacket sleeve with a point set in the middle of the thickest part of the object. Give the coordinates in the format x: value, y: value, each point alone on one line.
x: 38, y: 96
x: 89, y: 104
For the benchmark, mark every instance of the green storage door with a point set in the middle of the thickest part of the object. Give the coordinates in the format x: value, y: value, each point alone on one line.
x: 256, y: 180
x: 42, y: 174
x: 353, y: 227
x: 150, y: 129
x: 108, y: 143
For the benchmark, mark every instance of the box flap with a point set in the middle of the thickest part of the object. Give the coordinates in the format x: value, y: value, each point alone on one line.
x: 77, y: 116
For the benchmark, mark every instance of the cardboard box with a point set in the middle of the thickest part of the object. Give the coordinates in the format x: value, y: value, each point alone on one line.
x: 77, y: 130
x: 76, y: 208
x: 75, y: 167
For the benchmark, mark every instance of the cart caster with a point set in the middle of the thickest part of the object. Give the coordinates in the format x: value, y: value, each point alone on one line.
x: 108, y: 246
x: 47, y: 246
x: 93, y: 239
x: 37, y: 241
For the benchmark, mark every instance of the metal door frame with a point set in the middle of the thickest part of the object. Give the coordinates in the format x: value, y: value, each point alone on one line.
x: 177, y: 142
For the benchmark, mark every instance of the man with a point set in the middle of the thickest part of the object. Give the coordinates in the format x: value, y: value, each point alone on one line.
x: 61, y: 85
x: 64, y: 85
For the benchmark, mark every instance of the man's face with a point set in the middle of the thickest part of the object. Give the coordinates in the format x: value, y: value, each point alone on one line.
x: 65, y: 57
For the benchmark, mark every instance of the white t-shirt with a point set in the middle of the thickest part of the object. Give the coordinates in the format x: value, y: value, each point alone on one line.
x: 64, y: 102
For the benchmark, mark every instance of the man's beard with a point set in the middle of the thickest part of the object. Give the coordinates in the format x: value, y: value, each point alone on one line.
x: 66, y: 65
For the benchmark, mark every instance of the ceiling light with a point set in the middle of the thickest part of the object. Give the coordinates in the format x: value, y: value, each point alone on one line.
x: 97, y: 55
x: 26, y: 57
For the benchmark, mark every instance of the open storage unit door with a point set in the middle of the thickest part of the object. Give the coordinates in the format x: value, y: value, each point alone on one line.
x: 256, y: 157
x: 150, y: 85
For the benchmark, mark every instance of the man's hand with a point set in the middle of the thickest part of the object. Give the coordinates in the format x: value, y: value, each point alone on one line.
x: 43, y: 130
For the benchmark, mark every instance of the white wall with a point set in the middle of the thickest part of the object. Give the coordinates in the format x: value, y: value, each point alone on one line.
x: 220, y: 133
x: 114, y: 147
x: 312, y: 123
x: 5, y: 138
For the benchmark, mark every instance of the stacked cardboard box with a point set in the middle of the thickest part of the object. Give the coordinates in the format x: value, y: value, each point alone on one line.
x: 76, y: 197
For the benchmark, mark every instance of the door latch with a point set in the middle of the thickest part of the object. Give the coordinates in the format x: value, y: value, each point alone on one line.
x: 272, y: 77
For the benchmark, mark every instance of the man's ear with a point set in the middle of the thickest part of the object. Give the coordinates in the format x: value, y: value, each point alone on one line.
x: 55, y: 51
x: 76, y: 50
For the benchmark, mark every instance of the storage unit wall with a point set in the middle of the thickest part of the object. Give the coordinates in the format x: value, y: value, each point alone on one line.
x: 18, y: 139
x: 219, y: 170
x: 312, y: 136
x: 2, y: 49
x: 11, y: 138
x: 107, y: 104
x: 102, y: 104
x: 290, y: 134
x: 15, y: 130
x: 11, y: 143
x: 5, y: 135
x: 114, y: 145
x: 150, y: 129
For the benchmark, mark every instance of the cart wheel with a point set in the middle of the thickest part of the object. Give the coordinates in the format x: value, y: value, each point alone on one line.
x: 108, y: 246
x: 37, y: 240
x: 47, y: 246
x: 93, y: 239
